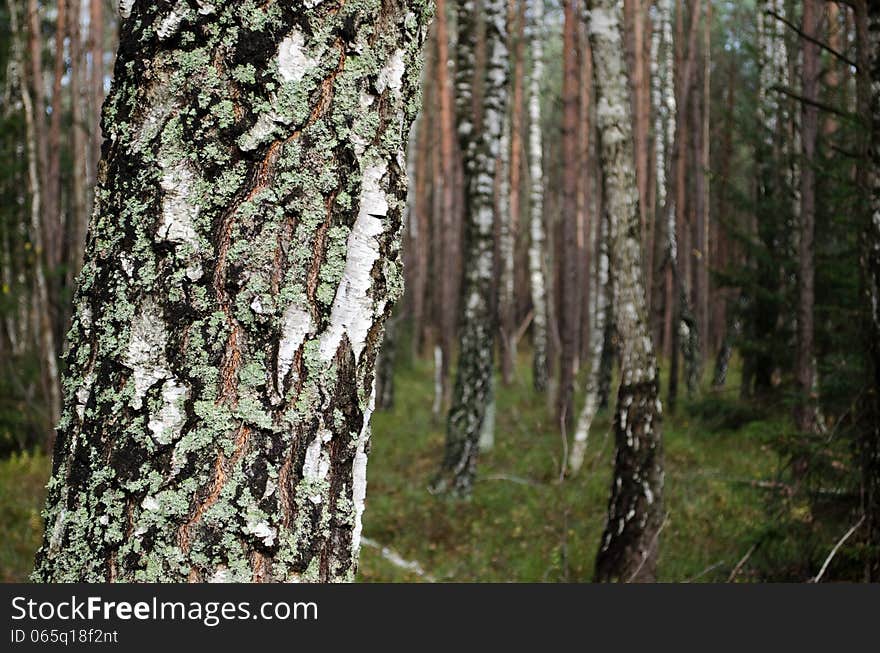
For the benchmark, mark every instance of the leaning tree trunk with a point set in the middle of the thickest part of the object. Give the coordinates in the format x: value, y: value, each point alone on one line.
x: 241, y: 261
x: 473, y: 383
x: 628, y: 550
x: 597, y: 347
x: 537, y: 262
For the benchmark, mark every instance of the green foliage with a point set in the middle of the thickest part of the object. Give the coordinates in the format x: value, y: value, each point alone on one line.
x: 22, y: 480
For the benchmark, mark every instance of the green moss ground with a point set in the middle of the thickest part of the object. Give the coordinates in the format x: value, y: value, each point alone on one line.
x: 521, y: 524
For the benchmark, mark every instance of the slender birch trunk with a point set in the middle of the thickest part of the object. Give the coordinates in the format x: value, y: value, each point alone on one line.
x: 664, y: 100
x: 597, y: 345
x: 628, y: 550
x: 45, y: 339
x: 537, y: 257
x: 242, y: 259
x: 480, y: 147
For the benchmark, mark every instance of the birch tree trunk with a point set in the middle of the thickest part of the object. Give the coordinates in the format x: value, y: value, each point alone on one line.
x: 537, y: 260
x: 663, y: 95
x: 33, y: 105
x: 597, y: 345
x: 628, y: 550
x: 242, y: 258
x: 480, y: 150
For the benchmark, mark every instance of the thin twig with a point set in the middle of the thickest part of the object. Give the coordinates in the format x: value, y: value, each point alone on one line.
x: 742, y: 562
x: 650, y: 548
x: 513, y: 479
x: 809, y: 38
x: 836, y: 549
x: 704, y: 572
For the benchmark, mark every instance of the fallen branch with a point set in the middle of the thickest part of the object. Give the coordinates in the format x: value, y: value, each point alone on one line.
x: 704, y: 572
x: 742, y: 562
x: 395, y: 559
x: 836, y: 549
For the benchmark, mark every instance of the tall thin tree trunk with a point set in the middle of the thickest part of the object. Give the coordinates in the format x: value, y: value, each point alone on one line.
x: 507, y: 297
x: 220, y: 376
x: 34, y: 112
x: 629, y: 546
x: 805, y: 372
x: 868, y: 90
x: 79, y: 143
x: 480, y: 148
x: 96, y: 89
x: 571, y: 256
x: 449, y: 244
x: 537, y: 258
x: 54, y: 231
x: 597, y: 347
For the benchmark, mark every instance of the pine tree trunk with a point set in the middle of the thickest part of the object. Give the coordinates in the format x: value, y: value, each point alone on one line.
x: 537, y: 262
x: 805, y: 372
x: 241, y: 261
x: 449, y: 242
x: 569, y: 313
x: 628, y: 550
x: 480, y: 148
x: 868, y: 26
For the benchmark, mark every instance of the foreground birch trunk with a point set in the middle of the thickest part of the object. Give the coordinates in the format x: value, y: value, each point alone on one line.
x: 628, y: 550
x: 473, y: 383
x: 241, y: 261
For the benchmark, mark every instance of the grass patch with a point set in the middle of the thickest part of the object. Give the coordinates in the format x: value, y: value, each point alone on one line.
x: 521, y: 523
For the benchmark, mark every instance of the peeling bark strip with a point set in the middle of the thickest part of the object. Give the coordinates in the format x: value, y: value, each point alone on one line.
x: 242, y: 258
x: 473, y: 383
x: 628, y: 551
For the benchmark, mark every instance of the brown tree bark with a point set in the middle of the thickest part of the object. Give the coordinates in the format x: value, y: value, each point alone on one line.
x: 570, y: 304
x: 805, y: 370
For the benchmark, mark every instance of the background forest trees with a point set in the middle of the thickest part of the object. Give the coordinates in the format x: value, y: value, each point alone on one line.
x: 754, y: 197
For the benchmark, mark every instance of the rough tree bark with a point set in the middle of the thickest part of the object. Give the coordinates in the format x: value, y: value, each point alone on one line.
x: 628, y: 550
x: 537, y: 262
x: 480, y: 149
x: 242, y: 258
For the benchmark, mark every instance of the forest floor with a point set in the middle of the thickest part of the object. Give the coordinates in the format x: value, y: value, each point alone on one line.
x: 522, y: 523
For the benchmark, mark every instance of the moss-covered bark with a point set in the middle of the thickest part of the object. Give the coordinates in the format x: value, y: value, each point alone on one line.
x: 241, y: 260
x: 628, y: 550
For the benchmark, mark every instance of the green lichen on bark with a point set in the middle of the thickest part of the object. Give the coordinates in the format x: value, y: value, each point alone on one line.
x: 242, y: 258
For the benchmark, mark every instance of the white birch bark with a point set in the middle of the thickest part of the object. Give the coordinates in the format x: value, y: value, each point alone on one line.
x: 242, y: 258
x: 473, y: 383
x: 628, y: 550
x: 537, y: 257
